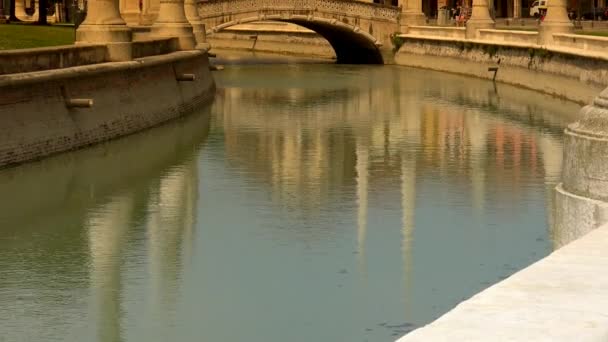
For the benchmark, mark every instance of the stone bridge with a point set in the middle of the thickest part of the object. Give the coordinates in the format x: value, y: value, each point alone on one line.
x: 356, y: 30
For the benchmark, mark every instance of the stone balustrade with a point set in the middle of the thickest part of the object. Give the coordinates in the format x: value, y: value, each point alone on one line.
x: 437, y: 31
x: 154, y: 47
x: 581, y: 42
x: 60, y: 57
x: 220, y: 8
x: 47, y: 58
x: 509, y: 36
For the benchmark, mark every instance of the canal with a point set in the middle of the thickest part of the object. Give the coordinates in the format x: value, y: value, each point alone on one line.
x: 309, y: 202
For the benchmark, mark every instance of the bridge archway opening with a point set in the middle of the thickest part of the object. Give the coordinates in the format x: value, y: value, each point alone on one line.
x: 350, y: 44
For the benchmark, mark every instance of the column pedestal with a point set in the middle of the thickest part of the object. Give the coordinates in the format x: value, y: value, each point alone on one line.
x: 411, y: 14
x: 103, y: 25
x: 582, y: 198
x: 172, y: 22
x: 198, y: 27
x: 480, y: 19
x: 556, y: 21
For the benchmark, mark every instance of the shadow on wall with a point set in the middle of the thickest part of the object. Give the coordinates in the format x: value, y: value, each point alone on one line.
x: 350, y: 45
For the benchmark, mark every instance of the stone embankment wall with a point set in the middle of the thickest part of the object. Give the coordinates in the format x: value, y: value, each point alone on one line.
x: 26, y: 60
x: 37, y: 120
x: 59, y: 57
x: 567, y: 286
x: 559, y: 298
x: 570, y: 70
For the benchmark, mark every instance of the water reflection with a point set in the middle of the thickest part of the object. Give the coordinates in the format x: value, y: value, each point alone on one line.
x: 74, y: 222
x: 476, y: 135
x: 352, y: 206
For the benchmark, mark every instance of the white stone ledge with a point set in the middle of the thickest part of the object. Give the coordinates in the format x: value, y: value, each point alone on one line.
x: 563, y: 297
x: 573, y: 50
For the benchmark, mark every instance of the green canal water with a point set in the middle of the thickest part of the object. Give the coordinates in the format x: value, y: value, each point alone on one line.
x: 309, y: 202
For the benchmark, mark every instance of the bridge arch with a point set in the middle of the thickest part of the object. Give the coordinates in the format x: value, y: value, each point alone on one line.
x: 356, y: 30
x: 350, y: 43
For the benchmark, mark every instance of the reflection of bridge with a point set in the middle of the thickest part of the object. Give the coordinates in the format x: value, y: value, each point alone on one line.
x: 356, y: 30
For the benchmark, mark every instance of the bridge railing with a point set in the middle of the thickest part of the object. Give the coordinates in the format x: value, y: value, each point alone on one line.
x: 216, y: 8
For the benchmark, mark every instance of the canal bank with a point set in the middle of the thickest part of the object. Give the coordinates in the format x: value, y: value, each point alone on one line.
x: 574, y: 67
x: 558, y: 298
x: 381, y: 196
x: 65, y: 98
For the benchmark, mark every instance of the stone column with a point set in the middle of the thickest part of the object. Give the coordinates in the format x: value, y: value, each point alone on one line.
x: 581, y: 200
x: 411, y: 14
x: 480, y: 19
x: 129, y: 11
x: 556, y: 21
x: 172, y: 22
x: 20, y: 9
x: 2, y: 16
x: 198, y: 27
x: 104, y: 25
x: 516, y: 9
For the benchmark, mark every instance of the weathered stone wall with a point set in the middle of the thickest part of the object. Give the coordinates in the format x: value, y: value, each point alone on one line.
x: 575, y: 77
x: 273, y: 38
x: 27, y: 60
x: 127, y: 97
x: 145, y: 48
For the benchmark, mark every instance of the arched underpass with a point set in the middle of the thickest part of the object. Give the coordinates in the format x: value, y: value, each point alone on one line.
x: 356, y: 30
x: 351, y: 45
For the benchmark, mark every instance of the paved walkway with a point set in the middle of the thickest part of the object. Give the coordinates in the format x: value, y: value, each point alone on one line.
x: 563, y: 297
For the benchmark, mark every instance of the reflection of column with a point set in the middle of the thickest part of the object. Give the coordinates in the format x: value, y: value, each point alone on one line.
x: 410, y: 130
x: 107, y: 231
x: 362, y: 190
x: 552, y: 152
x: 171, y: 218
x: 408, y: 205
x: 477, y: 131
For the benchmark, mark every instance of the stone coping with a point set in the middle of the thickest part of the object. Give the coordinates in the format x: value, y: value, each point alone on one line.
x: 261, y: 28
x: 582, y: 36
x: 516, y: 32
x: 278, y: 3
x: 65, y: 73
x: 562, y: 297
x: 438, y: 28
x: 552, y: 48
x: 48, y: 49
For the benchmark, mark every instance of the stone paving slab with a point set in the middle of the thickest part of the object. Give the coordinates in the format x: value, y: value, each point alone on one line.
x: 563, y: 297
